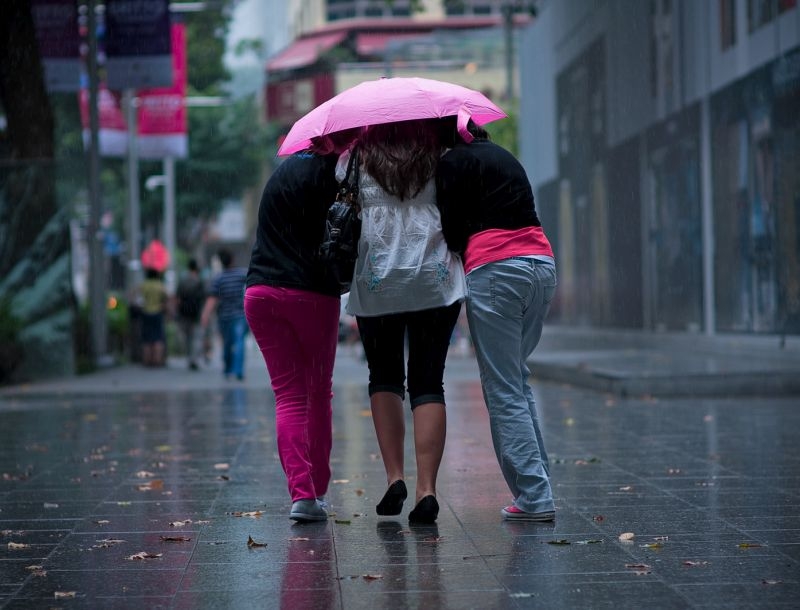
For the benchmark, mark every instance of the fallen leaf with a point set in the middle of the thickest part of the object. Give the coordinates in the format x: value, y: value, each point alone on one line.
x: 154, y: 484
x: 35, y: 568
x: 627, y: 536
x: 342, y: 521
x: 50, y: 505
x: 221, y: 466
x: 559, y: 542
x: 340, y: 481
x: 653, y: 545
x: 771, y: 582
x: 520, y: 595
x: 163, y: 448
x: 180, y: 523
x: 299, y: 539
x: 174, y: 538
x: 626, y: 488
x: 223, y: 477
x: 14, y: 546
x: 359, y: 514
x: 640, y: 569
x: 588, y: 542
x: 693, y: 564
x: 107, y: 543
x: 255, y: 514
x: 252, y: 544
x: 372, y: 576
x: 64, y: 594
x: 433, y: 539
x: 661, y: 538
x: 598, y: 518
x: 144, y: 474
x: 359, y: 492
x: 102, y: 522
x: 145, y: 555
x: 749, y: 545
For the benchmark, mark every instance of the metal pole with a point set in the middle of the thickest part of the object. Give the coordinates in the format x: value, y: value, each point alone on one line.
x: 97, y: 284
x: 134, y: 215
x: 169, y: 219
x: 707, y: 210
x: 508, y: 30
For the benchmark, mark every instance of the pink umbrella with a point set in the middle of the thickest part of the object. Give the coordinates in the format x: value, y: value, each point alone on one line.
x: 155, y: 256
x: 387, y: 100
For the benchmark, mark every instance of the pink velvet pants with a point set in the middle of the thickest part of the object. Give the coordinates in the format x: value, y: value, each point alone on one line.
x: 296, y: 332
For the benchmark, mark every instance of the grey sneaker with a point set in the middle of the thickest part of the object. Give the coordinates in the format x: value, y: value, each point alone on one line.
x: 512, y: 513
x: 308, y: 510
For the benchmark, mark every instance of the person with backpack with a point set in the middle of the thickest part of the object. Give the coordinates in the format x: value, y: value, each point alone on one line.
x: 191, y: 296
x: 292, y: 308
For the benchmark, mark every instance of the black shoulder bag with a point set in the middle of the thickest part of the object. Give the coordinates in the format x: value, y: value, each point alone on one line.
x: 339, y: 249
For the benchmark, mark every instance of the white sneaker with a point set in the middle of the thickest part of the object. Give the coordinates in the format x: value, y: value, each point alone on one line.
x: 308, y: 510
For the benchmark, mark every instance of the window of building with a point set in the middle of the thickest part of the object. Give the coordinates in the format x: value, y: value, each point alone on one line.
x: 760, y: 12
x: 727, y: 23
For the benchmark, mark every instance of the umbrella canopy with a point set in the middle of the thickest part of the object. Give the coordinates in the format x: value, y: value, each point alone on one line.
x: 388, y: 100
x: 155, y: 256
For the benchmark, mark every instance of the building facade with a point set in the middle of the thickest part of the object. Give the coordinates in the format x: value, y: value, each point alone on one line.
x: 663, y: 141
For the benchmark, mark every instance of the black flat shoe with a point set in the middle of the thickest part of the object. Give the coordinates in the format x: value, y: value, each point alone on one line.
x: 425, y: 511
x: 392, y: 501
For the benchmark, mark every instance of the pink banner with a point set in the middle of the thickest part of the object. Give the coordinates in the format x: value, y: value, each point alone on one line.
x: 162, y: 112
x: 161, y: 116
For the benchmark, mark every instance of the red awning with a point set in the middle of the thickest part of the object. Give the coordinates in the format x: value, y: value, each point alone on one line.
x: 375, y: 42
x: 304, y: 51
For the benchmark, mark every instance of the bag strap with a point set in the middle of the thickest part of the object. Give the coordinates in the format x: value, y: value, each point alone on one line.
x: 348, y: 191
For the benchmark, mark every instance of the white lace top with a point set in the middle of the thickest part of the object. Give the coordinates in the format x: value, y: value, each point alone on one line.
x: 403, y: 261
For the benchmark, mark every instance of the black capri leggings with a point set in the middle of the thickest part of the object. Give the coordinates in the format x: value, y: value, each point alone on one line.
x: 429, y: 333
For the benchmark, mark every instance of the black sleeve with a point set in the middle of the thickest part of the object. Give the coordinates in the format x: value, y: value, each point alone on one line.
x: 452, y: 189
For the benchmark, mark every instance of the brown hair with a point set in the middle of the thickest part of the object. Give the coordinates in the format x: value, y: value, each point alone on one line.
x: 401, y: 156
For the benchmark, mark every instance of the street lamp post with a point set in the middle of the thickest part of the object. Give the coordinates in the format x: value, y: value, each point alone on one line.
x: 167, y: 181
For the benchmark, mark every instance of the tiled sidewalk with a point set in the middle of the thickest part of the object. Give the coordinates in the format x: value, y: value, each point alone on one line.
x: 710, y: 488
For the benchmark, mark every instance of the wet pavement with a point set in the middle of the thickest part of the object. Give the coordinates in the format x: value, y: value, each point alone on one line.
x: 136, y: 488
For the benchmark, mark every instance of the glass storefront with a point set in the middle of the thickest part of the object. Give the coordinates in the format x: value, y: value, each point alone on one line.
x: 756, y: 181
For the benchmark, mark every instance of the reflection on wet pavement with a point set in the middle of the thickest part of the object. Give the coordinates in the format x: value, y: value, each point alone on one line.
x: 148, y: 498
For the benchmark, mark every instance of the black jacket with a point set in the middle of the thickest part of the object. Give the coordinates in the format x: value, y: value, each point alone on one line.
x: 291, y: 220
x: 482, y: 186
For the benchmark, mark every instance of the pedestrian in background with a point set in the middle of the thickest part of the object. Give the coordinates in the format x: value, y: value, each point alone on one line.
x: 488, y: 215
x: 292, y: 307
x: 191, y: 297
x: 153, y: 299
x: 406, y: 284
x: 226, y: 298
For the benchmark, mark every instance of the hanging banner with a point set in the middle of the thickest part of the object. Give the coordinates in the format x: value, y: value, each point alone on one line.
x: 162, y: 111
x: 161, y: 114
x: 58, y: 39
x: 138, y: 44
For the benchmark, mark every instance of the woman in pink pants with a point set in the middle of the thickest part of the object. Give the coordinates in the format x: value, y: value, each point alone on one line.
x: 292, y: 308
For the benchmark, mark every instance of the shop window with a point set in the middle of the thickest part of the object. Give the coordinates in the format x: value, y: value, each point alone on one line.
x: 727, y: 23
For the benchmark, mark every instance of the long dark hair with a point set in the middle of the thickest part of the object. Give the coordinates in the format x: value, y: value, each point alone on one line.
x: 401, y: 156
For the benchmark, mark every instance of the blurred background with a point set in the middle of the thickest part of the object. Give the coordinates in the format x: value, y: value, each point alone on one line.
x: 662, y: 139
